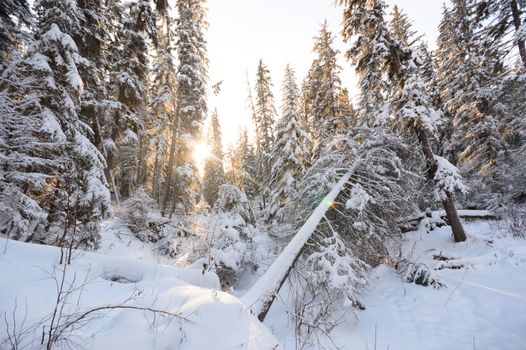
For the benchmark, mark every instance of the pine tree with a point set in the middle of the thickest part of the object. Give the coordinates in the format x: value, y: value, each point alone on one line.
x: 507, y: 23
x: 408, y: 96
x: 327, y: 114
x: 242, y: 166
x: 56, y: 171
x: 214, y: 175
x: 370, y: 54
x: 288, y: 152
x: 162, y: 124
x: 191, y: 104
x: 401, y: 27
x: 466, y: 69
x: 264, y: 119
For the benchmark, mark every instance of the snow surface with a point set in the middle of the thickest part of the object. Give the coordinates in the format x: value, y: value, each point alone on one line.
x: 482, y: 307
x: 216, y: 320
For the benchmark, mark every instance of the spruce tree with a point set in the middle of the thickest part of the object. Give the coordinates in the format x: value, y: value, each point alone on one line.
x: 466, y: 70
x: 288, y: 152
x: 370, y: 54
x: 264, y: 119
x: 410, y: 103
x: 506, y: 23
x: 162, y: 125
x: 401, y: 28
x: 328, y: 114
x: 130, y: 73
x: 55, y: 172
x: 191, y: 105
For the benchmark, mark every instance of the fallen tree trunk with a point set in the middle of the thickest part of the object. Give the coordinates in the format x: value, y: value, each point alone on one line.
x: 262, y: 294
x: 411, y: 223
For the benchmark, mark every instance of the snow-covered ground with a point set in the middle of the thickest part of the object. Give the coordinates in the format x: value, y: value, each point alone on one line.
x: 122, y: 273
x: 482, y: 307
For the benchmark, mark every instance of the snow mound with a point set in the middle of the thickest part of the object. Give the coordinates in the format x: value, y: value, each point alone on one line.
x: 207, y: 318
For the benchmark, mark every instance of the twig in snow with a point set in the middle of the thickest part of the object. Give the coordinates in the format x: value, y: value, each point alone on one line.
x: 458, y: 285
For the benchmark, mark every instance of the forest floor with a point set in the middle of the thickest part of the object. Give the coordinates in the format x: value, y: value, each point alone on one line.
x: 483, y: 305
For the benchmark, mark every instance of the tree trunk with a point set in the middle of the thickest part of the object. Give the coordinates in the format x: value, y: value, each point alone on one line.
x: 453, y: 218
x: 169, y: 172
x: 517, y: 22
x: 452, y: 215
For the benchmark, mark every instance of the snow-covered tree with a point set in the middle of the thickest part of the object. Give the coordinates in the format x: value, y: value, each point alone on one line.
x: 129, y: 76
x: 364, y: 26
x: 137, y: 211
x: 409, y: 101
x: 191, y: 107
x: 506, y: 23
x: 401, y: 27
x: 231, y: 240
x: 327, y: 113
x: 214, y: 175
x: 243, y: 165
x: 264, y: 118
x: 265, y: 115
x: 162, y: 126
x: 288, y: 153
x: 53, y: 167
x: 470, y: 68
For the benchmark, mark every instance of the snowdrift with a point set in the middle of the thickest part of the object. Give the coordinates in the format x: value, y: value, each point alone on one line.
x: 29, y: 275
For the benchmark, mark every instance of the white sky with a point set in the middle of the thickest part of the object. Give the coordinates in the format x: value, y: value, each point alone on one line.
x: 280, y: 32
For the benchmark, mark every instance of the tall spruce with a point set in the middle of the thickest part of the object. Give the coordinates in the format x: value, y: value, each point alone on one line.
x: 370, y: 54
x: 467, y: 68
x: 288, y: 153
x: 52, y: 170
x: 506, y: 23
x: 264, y: 119
x: 162, y: 125
x: 327, y: 114
x: 191, y: 105
x: 410, y: 102
x: 242, y: 166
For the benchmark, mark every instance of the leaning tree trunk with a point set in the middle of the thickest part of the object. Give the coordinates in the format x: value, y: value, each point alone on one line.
x: 517, y: 23
x: 452, y: 215
x: 260, y: 297
x: 169, y: 172
x: 448, y: 204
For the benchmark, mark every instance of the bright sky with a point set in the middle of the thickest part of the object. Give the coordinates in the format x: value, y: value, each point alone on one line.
x: 280, y: 32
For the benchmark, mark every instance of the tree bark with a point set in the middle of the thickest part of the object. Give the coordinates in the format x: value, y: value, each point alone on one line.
x: 517, y: 22
x: 456, y: 226
x: 452, y: 215
x: 169, y: 173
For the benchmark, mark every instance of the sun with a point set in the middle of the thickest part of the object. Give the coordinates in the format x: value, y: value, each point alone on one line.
x: 200, y: 153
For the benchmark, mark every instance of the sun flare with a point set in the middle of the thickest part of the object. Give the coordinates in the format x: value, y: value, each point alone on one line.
x: 200, y: 153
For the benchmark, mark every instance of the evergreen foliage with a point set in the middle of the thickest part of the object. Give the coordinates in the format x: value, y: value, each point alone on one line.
x: 288, y: 153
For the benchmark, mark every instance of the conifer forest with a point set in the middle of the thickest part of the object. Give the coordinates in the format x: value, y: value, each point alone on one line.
x: 166, y: 186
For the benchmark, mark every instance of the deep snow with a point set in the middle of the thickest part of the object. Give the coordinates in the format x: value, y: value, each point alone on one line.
x: 482, y: 307
x: 215, y: 320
